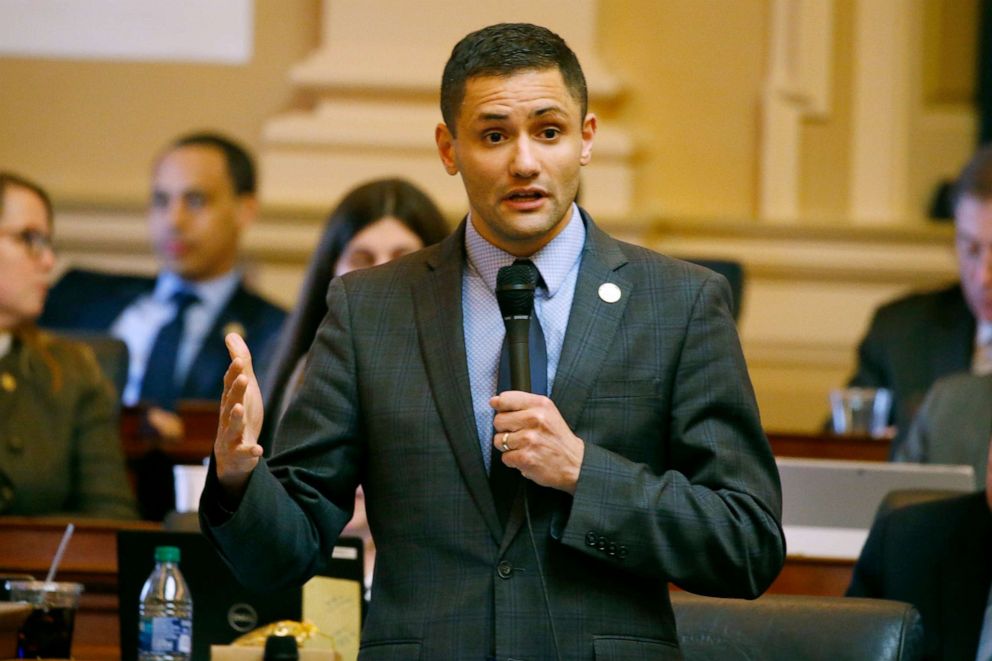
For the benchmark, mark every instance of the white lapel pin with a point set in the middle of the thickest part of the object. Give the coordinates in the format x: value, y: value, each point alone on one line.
x: 609, y: 292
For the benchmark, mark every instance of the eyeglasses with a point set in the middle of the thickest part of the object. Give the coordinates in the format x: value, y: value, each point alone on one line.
x: 36, y: 242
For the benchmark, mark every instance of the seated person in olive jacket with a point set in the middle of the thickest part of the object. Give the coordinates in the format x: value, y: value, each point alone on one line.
x: 59, y: 447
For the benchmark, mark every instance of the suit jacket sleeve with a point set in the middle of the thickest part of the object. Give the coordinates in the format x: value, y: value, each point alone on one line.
x: 710, y: 522
x: 317, y: 463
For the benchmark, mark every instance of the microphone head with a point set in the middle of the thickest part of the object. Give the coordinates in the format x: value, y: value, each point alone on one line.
x: 515, y: 286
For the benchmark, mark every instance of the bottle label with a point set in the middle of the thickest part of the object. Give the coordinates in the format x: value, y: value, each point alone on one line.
x: 165, y: 634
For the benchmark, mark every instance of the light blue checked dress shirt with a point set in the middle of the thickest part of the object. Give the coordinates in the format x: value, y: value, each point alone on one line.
x: 558, y: 263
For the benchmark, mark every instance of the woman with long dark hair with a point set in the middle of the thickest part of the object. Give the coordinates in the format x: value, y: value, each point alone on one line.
x: 374, y: 223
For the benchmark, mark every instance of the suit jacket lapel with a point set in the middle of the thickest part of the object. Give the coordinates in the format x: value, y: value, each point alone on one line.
x: 438, y: 304
x: 592, y: 323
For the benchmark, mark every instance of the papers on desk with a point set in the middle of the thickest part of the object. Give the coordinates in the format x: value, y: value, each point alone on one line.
x: 824, y: 542
x: 335, y: 606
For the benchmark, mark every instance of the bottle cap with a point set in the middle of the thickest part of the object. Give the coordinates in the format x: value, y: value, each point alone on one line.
x: 166, y: 554
x: 280, y: 648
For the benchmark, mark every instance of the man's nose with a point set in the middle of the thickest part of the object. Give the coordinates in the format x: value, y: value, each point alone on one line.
x: 525, y: 164
x: 175, y: 212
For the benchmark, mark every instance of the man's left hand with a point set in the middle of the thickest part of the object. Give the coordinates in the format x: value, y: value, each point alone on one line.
x: 532, y: 437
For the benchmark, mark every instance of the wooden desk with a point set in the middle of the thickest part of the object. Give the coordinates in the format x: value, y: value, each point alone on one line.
x: 828, y: 446
x: 28, y: 547
x: 200, y: 423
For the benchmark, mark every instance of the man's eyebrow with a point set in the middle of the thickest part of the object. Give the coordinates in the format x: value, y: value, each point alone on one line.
x: 549, y: 110
x: 492, y: 116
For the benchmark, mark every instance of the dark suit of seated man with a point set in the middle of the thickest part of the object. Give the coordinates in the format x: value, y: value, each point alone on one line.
x: 937, y: 556
x: 202, y: 200
x: 917, y: 339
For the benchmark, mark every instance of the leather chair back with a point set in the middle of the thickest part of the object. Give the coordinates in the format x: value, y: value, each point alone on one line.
x: 789, y: 627
x: 111, y: 354
x: 904, y: 497
x: 734, y: 273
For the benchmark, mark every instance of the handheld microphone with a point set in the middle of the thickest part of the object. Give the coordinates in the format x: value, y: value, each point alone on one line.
x: 515, y: 286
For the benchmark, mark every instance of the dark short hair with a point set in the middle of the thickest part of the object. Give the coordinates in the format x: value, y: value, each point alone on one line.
x: 9, y: 179
x: 502, y: 50
x: 975, y: 179
x: 361, y: 207
x: 240, y: 167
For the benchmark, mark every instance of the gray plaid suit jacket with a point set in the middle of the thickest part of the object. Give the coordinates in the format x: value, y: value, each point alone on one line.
x: 678, y: 482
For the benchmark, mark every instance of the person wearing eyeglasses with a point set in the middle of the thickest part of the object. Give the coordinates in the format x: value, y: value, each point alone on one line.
x: 60, y: 453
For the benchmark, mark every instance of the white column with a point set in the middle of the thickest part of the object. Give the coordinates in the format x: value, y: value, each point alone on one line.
x: 882, y: 106
x: 376, y: 76
x: 798, y: 87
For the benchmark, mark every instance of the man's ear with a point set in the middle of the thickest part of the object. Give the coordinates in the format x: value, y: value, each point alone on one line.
x: 446, y: 148
x: 588, y: 133
x: 247, y: 210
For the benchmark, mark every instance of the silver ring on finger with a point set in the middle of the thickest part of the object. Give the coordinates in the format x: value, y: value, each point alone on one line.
x: 506, y: 447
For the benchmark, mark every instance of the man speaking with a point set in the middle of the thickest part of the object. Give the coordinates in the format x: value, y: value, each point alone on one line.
x: 512, y: 524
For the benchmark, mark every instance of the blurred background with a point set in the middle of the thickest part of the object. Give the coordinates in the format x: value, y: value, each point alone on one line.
x: 806, y: 139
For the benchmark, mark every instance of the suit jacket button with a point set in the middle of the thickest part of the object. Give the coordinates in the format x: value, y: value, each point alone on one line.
x: 611, y: 549
x: 591, y: 538
x: 504, y: 569
x: 622, y: 552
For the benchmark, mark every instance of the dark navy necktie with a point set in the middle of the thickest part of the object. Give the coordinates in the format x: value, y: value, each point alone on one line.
x: 159, y: 386
x: 504, y: 480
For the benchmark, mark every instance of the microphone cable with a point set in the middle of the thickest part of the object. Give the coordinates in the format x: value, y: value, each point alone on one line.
x: 540, y: 573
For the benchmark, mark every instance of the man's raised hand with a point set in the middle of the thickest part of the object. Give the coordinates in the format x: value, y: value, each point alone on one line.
x: 236, y: 448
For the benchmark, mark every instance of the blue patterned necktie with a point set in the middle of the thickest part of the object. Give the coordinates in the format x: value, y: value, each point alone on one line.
x: 503, y: 481
x: 159, y: 386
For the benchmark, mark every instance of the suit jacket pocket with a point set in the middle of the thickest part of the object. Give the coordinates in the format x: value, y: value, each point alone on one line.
x: 633, y: 648
x: 390, y: 650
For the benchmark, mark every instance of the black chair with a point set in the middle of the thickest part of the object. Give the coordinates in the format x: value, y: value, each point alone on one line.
x: 111, y: 354
x: 733, y: 271
x: 788, y: 627
x: 905, y: 497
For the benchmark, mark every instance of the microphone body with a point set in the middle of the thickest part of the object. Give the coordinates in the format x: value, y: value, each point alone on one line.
x: 515, y: 286
x: 518, y: 345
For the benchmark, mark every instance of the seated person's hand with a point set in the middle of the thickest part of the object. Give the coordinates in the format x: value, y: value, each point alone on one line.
x: 167, y: 425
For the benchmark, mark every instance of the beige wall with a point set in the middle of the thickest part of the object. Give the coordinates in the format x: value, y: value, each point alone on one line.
x: 87, y: 130
x: 693, y: 73
x: 693, y: 70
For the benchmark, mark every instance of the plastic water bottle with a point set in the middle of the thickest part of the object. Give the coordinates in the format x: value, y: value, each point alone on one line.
x: 165, y: 611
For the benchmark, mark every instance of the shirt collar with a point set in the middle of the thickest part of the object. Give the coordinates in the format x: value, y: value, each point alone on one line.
x: 211, y: 293
x: 6, y: 341
x: 553, y: 261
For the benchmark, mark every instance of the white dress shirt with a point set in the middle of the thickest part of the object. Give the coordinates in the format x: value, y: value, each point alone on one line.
x: 139, y: 323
